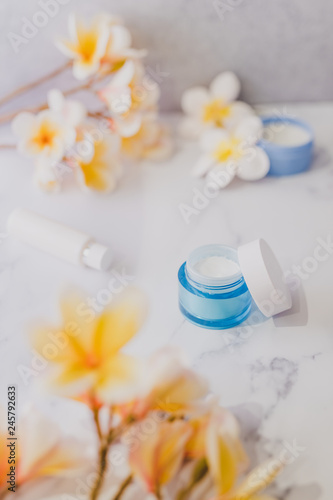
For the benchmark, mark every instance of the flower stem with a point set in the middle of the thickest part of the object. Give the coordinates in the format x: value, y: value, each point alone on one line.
x: 123, y: 487
x: 31, y: 85
x: 7, y: 146
x: 84, y: 86
x: 97, y: 424
x: 113, y: 434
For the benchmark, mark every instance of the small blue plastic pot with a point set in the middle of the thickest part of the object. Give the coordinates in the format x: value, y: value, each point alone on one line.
x: 287, y: 159
x: 214, y: 303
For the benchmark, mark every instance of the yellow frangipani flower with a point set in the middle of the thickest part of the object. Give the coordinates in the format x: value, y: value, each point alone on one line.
x: 158, y: 457
x: 84, y: 353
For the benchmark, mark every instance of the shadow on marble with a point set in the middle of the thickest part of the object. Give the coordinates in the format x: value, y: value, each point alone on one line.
x: 310, y: 491
x: 298, y: 314
x: 321, y: 158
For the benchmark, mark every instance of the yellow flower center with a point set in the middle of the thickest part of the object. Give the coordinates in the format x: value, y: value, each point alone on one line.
x: 87, y: 43
x: 45, y: 136
x: 228, y: 150
x: 216, y: 112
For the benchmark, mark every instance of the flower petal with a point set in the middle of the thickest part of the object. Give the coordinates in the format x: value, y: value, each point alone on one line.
x: 255, y: 166
x: 258, y: 479
x: 55, y: 100
x: 225, y: 86
x: 249, y: 130
x: 193, y: 100
x: 202, y: 166
x: 238, y: 111
x: 23, y: 123
x: 129, y: 125
x: 120, y: 38
x: 82, y: 70
x: 211, y: 139
x: 124, y: 75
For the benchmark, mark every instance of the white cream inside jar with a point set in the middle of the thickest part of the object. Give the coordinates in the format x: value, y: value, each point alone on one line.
x: 286, y: 134
x: 216, y: 266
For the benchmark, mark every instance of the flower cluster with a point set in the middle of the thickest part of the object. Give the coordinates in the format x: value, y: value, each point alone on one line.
x: 227, y: 129
x: 175, y: 438
x: 68, y: 141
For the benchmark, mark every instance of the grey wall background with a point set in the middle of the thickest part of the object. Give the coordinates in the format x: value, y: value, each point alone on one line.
x: 281, y: 49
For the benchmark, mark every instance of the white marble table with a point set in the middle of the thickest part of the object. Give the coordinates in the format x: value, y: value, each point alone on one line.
x: 277, y: 376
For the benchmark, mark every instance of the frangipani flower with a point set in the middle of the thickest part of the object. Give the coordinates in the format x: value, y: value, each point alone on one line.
x: 42, y: 451
x: 169, y: 386
x: 103, y: 45
x: 129, y: 94
x: 85, y: 357
x: 225, y: 454
x: 47, y: 136
x: 152, y: 141
x: 97, y: 163
x: 71, y: 111
x: 226, y: 155
x: 213, y: 107
x: 158, y: 457
x: 87, y: 45
x: 44, y: 136
x: 118, y: 49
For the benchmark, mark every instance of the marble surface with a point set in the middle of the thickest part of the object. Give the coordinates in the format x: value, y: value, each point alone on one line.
x: 275, y: 375
x: 281, y: 49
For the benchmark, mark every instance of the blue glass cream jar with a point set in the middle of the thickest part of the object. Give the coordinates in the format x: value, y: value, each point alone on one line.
x: 289, y: 144
x: 217, y: 284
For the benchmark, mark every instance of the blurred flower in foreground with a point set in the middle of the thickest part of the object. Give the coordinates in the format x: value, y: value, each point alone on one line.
x: 103, y: 43
x: 168, y: 386
x: 152, y: 141
x: 213, y: 107
x: 85, y: 357
x: 159, y: 456
x: 42, y: 451
x: 226, y: 155
x: 98, y: 166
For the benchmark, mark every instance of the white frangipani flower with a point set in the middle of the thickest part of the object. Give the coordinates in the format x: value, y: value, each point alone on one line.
x: 87, y: 45
x: 226, y: 155
x: 96, y: 163
x: 129, y: 94
x: 71, y: 111
x: 213, y: 107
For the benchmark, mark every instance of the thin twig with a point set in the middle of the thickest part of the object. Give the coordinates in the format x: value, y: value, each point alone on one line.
x: 84, y: 86
x: 123, y: 487
x: 7, y: 146
x: 97, y: 423
x: 39, y: 81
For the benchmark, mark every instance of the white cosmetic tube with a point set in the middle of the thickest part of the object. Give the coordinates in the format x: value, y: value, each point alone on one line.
x: 58, y: 240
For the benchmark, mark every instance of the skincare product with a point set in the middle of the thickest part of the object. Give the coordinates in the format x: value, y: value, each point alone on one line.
x: 288, y: 143
x: 218, y: 283
x: 58, y: 240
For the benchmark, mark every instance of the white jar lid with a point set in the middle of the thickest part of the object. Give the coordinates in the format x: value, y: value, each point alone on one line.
x: 264, y: 278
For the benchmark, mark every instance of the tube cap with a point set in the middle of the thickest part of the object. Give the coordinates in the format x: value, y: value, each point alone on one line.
x: 97, y: 256
x: 264, y: 278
